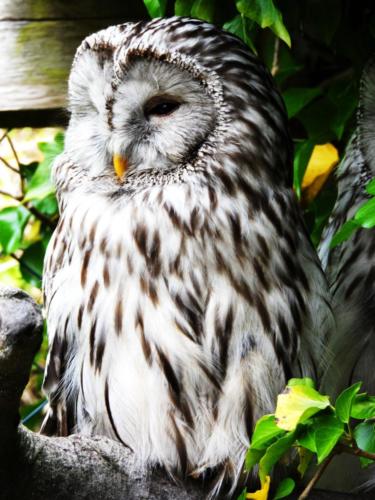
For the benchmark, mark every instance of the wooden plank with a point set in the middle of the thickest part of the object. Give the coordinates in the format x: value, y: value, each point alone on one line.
x: 71, y: 9
x: 35, y: 59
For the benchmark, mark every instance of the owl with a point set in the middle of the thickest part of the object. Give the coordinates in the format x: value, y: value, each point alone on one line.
x: 181, y: 288
x: 350, y: 266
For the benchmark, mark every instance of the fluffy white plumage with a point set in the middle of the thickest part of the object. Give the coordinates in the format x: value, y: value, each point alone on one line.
x: 180, y: 299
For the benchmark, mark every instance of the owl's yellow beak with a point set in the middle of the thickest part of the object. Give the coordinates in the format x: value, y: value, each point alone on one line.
x: 120, y: 164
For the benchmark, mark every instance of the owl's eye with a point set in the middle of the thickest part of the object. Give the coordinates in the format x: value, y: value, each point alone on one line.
x: 160, y: 106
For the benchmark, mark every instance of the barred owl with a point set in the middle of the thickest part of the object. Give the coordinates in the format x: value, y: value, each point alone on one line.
x: 350, y: 266
x: 181, y: 288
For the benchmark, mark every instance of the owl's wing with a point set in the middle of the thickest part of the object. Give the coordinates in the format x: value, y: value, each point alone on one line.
x: 60, y: 416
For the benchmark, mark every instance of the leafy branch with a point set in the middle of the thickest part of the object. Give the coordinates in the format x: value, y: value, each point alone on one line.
x: 26, y: 223
x: 305, y: 421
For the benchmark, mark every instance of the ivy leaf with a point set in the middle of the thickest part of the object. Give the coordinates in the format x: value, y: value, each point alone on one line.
x: 183, y: 7
x: 264, y: 13
x: 265, y: 432
x: 305, y: 457
x: 306, y: 438
x: 31, y: 263
x: 364, y: 435
x: 253, y: 457
x: 302, y: 156
x: 274, y: 453
x: 370, y: 187
x: 344, y: 402
x: 297, y: 404
x: 320, y: 209
x: 40, y: 185
x: 203, y: 9
x: 363, y: 407
x: 243, y: 495
x: 241, y: 26
x: 47, y: 205
x: 297, y: 98
x: 307, y: 381
x: 323, y: 160
x: 27, y: 171
x: 344, y: 233
x: 366, y: 214
x: 285, y: 488
x: 344, y: 96
x: 12, y: 224
x: 156, y: 8
x: 328, y: 430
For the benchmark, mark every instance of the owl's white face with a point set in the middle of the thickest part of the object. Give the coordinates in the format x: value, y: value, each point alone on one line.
x: 157, y: 116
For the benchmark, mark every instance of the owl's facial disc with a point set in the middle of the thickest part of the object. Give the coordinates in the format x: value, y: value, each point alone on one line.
x: 161, y: 115
x: 157, y: 117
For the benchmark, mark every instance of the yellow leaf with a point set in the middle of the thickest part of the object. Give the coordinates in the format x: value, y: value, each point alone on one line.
x: 296, y: 404
x: 261, y: 494
x: 322, y: 161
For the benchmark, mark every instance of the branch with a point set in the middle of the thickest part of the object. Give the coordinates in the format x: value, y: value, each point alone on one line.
x: 4, y: 193
x: 343, y: 448
x: 39, y: 215
x: 8, y: 165
x: 318, y: 474
x: 276, y: 55
x: 26, y: 266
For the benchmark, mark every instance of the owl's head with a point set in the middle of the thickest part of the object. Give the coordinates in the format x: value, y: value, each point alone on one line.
x: 161, y: 95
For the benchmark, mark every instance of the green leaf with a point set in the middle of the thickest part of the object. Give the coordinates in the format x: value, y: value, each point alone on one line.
x: 12, y: 224
x: 363, y: 407
x: 285, y: 488
x: 243, y: 495
x: 297, y: 404
x: 183, y: 7
x: 27, y: 171
x: 320, y: 209
x: 328, y: 430
x: 303, y: 152
x: 203, y: 9
x: 344, y: 96
x: 297, y: 98
x: 305, y: 458
x: 156, y: 8
x: 241, y: 26
x: 264, y: 13
x: 274, y: 453
x: 40, y: 185
x: 47, y: 205
x: 344, y: 402
x: 265, y: 432
x: 287, y: 64
x: 344, y: 233
x: 364, y: 435
x: 306, y: 437
x: 31, y: 263
x: 370, y: 187
x: 307, y: 381
x: 253, y: 457
x: 317, y: 117
x: 366, y: 214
